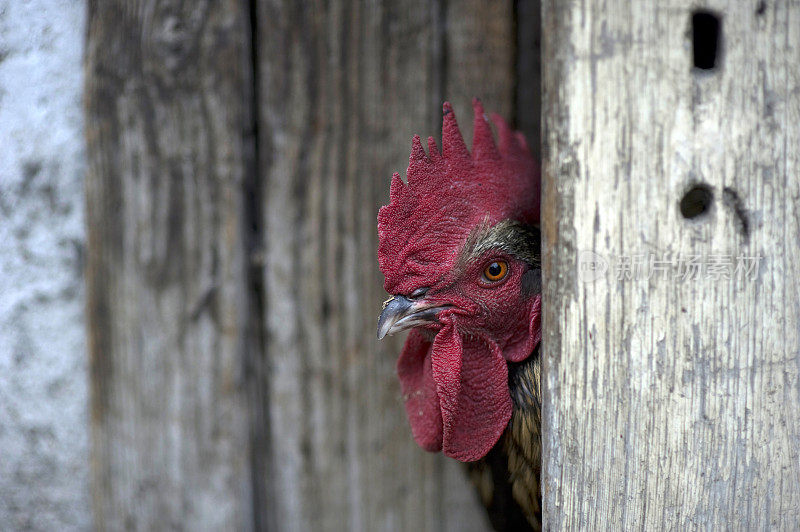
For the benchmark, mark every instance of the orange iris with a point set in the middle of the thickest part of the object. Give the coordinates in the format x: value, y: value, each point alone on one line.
x: 496, y: 271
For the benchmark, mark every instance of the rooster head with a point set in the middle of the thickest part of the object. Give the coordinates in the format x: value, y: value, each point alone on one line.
x: 460, y: 256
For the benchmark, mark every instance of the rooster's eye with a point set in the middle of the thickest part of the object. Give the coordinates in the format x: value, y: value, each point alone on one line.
x: 495, y: 271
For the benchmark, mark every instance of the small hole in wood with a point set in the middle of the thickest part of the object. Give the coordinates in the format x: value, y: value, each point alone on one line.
x: 696, y: 201
x: 705, y: 39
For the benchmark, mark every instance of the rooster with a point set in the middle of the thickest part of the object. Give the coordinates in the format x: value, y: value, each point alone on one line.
x: 461, y: 257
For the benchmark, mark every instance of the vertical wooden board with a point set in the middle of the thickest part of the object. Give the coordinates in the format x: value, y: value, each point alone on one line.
x: 480, y: 53
x: 528, y: 65
x: 672, y: 399
x: 168, y: 99
x: 342, y: 88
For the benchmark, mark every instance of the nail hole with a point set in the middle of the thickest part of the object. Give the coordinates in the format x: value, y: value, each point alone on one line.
x: 761, y: 8
x: 696, y: 201
x: 705, y: 39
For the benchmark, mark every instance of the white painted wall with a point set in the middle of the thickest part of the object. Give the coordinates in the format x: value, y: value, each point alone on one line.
x: 44, y: 480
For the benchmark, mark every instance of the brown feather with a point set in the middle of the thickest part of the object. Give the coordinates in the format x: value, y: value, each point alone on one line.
x: 522, y: 440
x: 507, y: 479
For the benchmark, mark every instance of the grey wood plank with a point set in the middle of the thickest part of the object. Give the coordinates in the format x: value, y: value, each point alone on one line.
x: 168, y: 296
x: 342, y: 88
x: 671, y: 402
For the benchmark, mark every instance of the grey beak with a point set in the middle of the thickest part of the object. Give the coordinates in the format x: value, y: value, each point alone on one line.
x: 394, y: 310
x: 400, y: 313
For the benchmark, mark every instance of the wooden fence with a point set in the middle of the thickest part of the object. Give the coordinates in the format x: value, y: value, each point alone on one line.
x: 238, y: 152
x: 672, y: 152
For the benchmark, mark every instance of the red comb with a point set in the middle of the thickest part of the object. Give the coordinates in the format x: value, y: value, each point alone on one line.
x: 450, y: 193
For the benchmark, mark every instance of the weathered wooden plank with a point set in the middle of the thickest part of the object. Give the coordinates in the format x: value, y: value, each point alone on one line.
x: 168, y: 113
x: 480, y: 54
x: 528, y: 90
x: 342, y: 87
x: 671, y: 402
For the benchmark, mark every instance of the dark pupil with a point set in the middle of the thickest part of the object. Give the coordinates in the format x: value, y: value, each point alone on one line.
x: 494, y: 269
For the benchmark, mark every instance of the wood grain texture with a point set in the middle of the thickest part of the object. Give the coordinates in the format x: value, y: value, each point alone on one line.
x: 238, y: 137
x: 342, y: 88
x: 169, y: 146
x: 528, y: 65
x: 671, y: 403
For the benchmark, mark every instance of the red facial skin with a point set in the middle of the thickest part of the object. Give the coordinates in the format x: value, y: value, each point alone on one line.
x: 456, y: 386
x: 496, y: 310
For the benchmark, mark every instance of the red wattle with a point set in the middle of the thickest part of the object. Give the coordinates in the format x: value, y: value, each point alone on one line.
x: 476, y: 404
x: 419, y: 392
x: 456, y: 393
